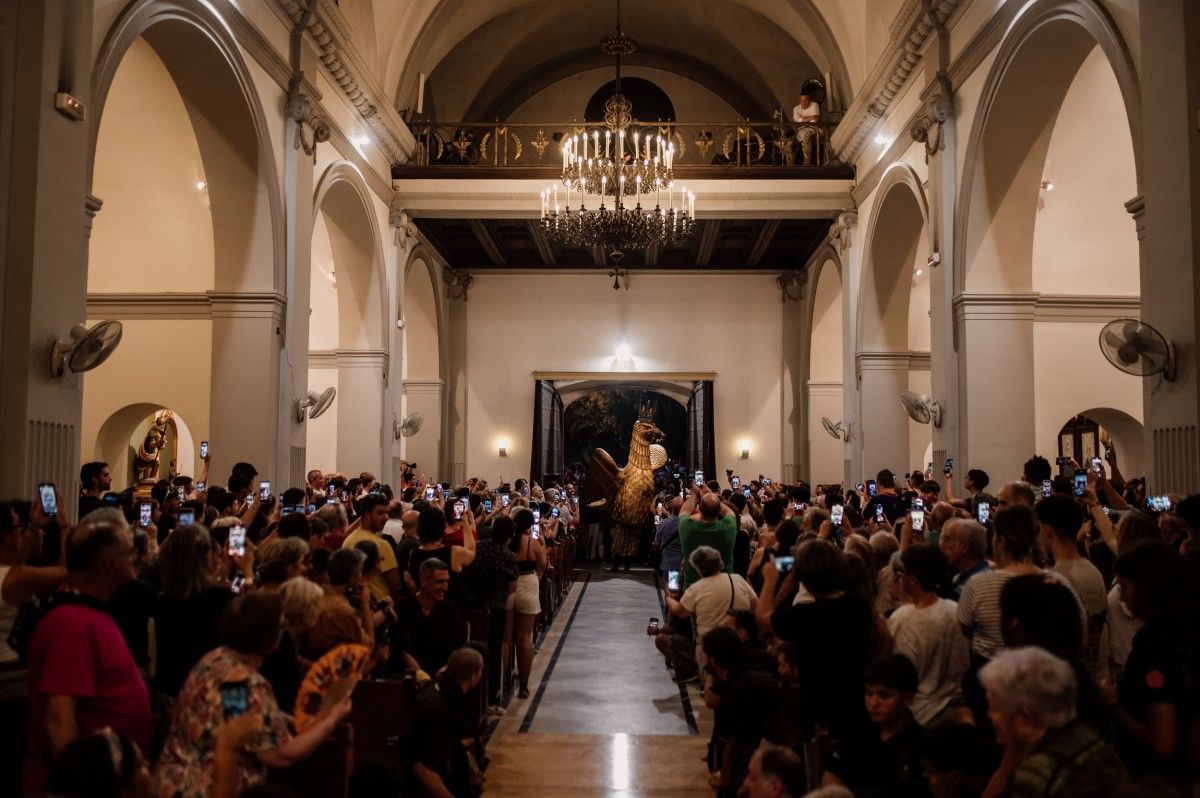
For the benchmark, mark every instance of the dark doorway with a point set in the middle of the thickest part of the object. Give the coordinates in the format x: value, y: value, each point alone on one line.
x: 605, y: 419
x: 650, y: 103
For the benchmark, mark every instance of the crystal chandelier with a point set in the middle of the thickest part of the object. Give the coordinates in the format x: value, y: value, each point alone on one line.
x: 607, y: 179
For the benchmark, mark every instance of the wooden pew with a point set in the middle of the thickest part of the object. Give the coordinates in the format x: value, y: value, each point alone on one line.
x: 326, y: 772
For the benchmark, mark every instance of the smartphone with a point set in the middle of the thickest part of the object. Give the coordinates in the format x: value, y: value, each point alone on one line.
x: 576, y: 500
x: 288, y: 509
x: 235, y: 699
x: 872, y: 488
x: 673, y: 581
x: 487, y: 505
x: 784, y: 564
x: 835, y: 514
x: 187, y: 517
x: 181, y: 493
x: 237, y: 584
x: 237, y: 540
x: 537, y: 532
x: 49, y: 500
x: 330, y: 490
x: 879, y: 513
x: 983, y: 512
x: 112, y: 500
x: 946, y: 469
x: 1097, y: 465
x: 929, y: 469
x: 554, y: 512
x: 735, y: 482
x: 652, y: 627
x: 1080, y: 482
x: 203, y: 449
x: 798, y: 507
x: 918, y: 504
x: 1047, y: 485
x: 458, y: 511
x: 264, y: 490
x: 766, y: 481
x: 503, y: 499
x: 429, y: 494
x: 699, y: 478
x: 1062, y: 461
x: 746, y: 491
x: 917, y: 518
x: 859, y: 487
x: 144, y: 512
x: 537, y: 517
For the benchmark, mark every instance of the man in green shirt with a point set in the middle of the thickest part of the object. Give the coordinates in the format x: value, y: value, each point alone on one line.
x: 705, y: 520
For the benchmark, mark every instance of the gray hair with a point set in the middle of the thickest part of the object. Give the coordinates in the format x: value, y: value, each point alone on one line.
x: 884, y: 544
x: 300, y: 598
x: 429, y: 566
x: 706, y: 560
x: 283, y: 552
x: 1023, y: 493
x: 972, y: 533
x: 334, y: 515
x: 1033, y: 681
x: 106, y: 515
x: 814, y: 513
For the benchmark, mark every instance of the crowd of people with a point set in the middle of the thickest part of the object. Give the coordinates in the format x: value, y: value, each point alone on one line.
x: 164, y: 642
x: 892, y: 638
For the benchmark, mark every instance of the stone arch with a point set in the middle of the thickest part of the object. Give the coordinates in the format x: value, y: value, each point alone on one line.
x: 116, y: 433
x: 206, y: 64
x: 1033, y: 70
x: 424, y: 365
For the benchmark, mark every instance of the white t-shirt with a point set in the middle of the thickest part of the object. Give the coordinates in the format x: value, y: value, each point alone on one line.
x: 807, y: 116
x: 711, y: 597
x: 394, y: 529
x: 931, y: 638
x: 1089, y: 586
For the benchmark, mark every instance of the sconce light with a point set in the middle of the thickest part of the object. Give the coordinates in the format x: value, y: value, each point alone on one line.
x: 745, y: 454
x: 502, y: 447
x: 745, y: 447
x: 1047, y: 186
x: 504, y: 451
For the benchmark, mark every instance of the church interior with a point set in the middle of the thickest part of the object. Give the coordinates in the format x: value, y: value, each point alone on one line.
x: 475, y: 244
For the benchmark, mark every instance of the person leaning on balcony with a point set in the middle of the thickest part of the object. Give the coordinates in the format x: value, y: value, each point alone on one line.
x: 806, y: 115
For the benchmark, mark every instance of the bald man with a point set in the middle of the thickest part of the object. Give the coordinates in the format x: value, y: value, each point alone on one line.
x: 705, y: 520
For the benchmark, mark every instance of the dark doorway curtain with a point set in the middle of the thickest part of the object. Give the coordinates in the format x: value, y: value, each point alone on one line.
x: 547, y: 450
x: 702, y: 454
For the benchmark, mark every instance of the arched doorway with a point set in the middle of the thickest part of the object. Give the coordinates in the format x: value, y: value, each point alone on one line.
x: 824, y: 391
x: 186, y: 251
x: 121, y: 433
x: 1048, y: 253
x: 604, y: 419
x: 424, y: 387
x: 893, y: 329
x: 347, y: 337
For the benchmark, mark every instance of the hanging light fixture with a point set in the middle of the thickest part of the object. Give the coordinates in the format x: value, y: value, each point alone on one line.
x: 615, y: 174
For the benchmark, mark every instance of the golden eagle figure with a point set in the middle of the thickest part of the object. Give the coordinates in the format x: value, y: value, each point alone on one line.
x: 626, y: 494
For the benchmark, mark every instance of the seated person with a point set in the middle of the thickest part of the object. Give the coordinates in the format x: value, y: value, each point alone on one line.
x: 806, y: 115
x: 344, y: 614
x: 439, y: 757
x: 881, y: 757
x: 429, y: 628
x: 775, y: 772
x: 1047, y: 751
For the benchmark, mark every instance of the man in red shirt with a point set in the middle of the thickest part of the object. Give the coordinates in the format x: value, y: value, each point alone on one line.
x: 82, y: 677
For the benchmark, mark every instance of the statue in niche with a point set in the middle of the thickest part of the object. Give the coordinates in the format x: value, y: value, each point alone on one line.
x: 627, y: 494
x: 145, y: 463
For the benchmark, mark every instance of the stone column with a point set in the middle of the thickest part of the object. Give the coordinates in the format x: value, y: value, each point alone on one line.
x: 842, y: 233
x: 44, y: 230
x: 359, y: 406
x: 247, y: 336
x: 404, y: 238
x: 996, y: 368
x: 796, y: 289
x: 1169, y: 234
x: 454, y: 366
x: 882, y: 433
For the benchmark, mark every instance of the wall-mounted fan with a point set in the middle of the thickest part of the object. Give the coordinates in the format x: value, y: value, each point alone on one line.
x: 409, y: 427
x: 1137, y: 348
x: 837, y: 429
x: 314, y: 403
x: 87, y: 348
x: 921, y: 408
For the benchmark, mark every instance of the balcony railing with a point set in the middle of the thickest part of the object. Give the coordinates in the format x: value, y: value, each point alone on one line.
x: 521, y: 146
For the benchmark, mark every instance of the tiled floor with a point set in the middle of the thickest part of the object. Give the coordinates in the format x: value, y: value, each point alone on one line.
x: 607, y: 720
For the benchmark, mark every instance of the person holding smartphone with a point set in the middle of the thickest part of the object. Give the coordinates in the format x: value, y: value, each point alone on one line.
x: 525, y: 602
x: 885, y: 497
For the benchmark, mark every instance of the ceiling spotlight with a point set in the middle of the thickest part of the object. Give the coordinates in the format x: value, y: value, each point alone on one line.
x: 1047, y: 186
x: 201, y: 184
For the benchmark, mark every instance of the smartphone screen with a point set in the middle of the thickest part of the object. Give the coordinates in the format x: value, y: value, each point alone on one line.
x: 181, y: 493
x: 537, y: 517
x: 49, y: 500
x: 859, y: 487
x: 917, y: 517
x: 918, y: 504
x: 576, y: 500
x: 200, y: 486
x: 537, y: 532
x: 879, y: 512
x: 983, y: 512
x: 237, y: 539
x: 699, y: 478
x: 458, y: 511
x: 835, y: 514
x: 1046, y: 487
x: 187, y: 517
x: 872, y: 488
x: 312, y: 507
x: 144, y: 511
x: 330, y: 490
x: 735, y: 482
x: 554, y: 512
x: 949, y: 465
x: 203, y: 449
x: 235, y: 699
x: 264, y: 490
x: 673, y: 581
x: 784, y: 564
x: 1097, y: 465
x: 929, y: 469
x: 429, y: 494
x: 1080, y: 483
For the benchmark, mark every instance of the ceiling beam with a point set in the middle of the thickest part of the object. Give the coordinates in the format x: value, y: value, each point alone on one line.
x: 708, y: 241
x: 765, y: 235
x: 487, y: 241
x: 545, y: 251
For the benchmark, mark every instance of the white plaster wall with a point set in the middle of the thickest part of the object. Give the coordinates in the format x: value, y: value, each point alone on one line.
x: 421, y: 344
x: 568, y: 98
x: 155, y: 231
x: 825, y: 451
x: 517, y: 324
x: 825, y: 360
x: 134, y: 374
x: 323, y: 296
x: 1072, y: 376
x: 322, y: 443
x: 920, y: 436
x: 1084, y: 240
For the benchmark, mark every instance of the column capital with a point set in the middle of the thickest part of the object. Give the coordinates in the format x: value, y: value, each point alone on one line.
x: 840, y: 232
x: 458, y: 283
x: 936, y: 112
x: 91, y: 206
x: 398, y: 218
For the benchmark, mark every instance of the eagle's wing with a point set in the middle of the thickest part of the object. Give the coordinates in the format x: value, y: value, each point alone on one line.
x: 603, y: 480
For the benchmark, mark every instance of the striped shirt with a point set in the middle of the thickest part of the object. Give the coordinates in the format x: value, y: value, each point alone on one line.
x: 979, y: 609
